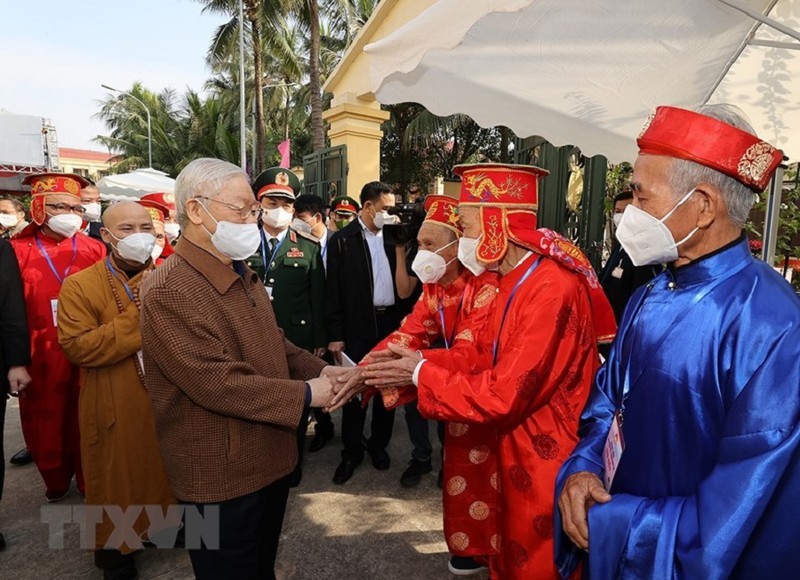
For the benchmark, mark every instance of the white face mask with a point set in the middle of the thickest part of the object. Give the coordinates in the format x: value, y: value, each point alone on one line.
x: 646, y: 239
x: 172, y: 231
x: 156, y: 253
x: 617, y: 218
x: 93, y: 211
x: 137, y: 248
x: 468, y: 256
x: 301, y: 226
x: 278, y: 218
x: 65, y: 224
x: 237, y: 241
x: 8, y: 220
x: 430, y: 266
x: 382, y: 218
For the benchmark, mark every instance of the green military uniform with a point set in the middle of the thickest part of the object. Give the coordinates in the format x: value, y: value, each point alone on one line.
x: 295, y: 279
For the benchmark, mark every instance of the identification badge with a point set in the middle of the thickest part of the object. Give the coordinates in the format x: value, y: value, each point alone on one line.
x: 269, y: 291
x: 54, y: 309
x: 612, y: 453
x: 617, y: 272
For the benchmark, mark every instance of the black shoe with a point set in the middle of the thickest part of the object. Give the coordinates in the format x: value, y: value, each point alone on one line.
x: 345, y: 471
x: 380, y: 460
x: 21, y: 457
x: 2, y: 542
x: 464, y: 566
x: 321, y: 437
x: 440, y: 480
x: 414, y: 472
x: 295, y: 476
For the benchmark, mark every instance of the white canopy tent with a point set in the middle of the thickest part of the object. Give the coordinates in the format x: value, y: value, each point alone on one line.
x: 589, y: 73
x: 133, y: 185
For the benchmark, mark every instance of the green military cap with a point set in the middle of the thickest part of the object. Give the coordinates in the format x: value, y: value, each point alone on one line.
x: 344, y: 203
x: 277, y: 182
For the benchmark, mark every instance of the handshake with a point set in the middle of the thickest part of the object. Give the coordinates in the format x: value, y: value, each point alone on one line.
x: 335, y: 386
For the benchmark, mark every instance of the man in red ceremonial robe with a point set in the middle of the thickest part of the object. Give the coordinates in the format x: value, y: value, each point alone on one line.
x: 165, y: 203
x: 48, y: 251
x: 547, y: 319
x: 452, y: 312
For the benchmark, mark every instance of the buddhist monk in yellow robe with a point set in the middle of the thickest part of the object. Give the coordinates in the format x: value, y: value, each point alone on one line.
x: 98, y: 329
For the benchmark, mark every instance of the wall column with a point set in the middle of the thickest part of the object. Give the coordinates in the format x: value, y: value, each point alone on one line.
x: 356, y: 123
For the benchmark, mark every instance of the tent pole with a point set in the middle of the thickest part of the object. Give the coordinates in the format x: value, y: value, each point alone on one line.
x: 761, y: 18
x: 772, y: 220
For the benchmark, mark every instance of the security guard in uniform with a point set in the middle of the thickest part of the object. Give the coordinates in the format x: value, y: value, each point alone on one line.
x: 290, y: 265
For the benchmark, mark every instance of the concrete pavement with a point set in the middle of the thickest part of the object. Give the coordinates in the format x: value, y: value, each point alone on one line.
x: 369, y: 528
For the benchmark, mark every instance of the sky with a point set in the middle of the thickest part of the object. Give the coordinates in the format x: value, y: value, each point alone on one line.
x: 55, y: 54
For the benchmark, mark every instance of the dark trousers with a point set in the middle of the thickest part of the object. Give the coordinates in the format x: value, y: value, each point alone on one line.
x: 2, y: 428
x: 250, y: 527
x: 418, y: 433
x: 353, y: 416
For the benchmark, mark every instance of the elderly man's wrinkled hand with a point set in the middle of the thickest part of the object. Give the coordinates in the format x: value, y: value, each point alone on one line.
x: 321, y: 391
x: 393, y: 373
x: 380, y: 356
x: 346, y: 388
x: 581, y: 491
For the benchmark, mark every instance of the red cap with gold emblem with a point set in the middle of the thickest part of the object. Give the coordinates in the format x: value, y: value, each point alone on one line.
x: 442, y: 210
x: 683, y: 134
x: 163, y: 202
x: 156, y: 215
x: 507, y: 197
x: 44, y: 184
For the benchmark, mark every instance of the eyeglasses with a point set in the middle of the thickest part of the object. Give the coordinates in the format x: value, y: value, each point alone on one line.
x: 243, y: 212
x: 66, y: 208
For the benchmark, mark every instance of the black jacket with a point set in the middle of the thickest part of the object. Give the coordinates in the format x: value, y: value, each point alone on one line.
x: 620, y: 279
x: 350, y: 310
x: 15, y: 343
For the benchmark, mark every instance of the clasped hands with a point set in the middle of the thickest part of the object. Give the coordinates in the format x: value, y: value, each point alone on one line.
x: 393, y: 367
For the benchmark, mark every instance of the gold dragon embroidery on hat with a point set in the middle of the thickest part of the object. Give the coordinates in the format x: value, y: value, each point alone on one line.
x: 72, y: 186
x: 481, y: 186
x: 44, y: 185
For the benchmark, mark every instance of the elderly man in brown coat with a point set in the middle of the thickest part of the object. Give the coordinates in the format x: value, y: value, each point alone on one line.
x: 227, y: 388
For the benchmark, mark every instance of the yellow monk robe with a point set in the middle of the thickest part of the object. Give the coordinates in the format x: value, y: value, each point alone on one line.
x: 98, y: 328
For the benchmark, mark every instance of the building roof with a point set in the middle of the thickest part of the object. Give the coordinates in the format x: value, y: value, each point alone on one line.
x: 85, y: 154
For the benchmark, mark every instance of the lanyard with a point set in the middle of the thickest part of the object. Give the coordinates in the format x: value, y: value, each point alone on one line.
x: 626, y: 384
x: 49, y: 261
x: 447, y: 343
x: 268, y: 264
x: 128, y: 290
x: 508, y: 305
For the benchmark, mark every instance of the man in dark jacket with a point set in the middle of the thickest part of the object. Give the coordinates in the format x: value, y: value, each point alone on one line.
x: 15, y: 344
x: 363, y: 307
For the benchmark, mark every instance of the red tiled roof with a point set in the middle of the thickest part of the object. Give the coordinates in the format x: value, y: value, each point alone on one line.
x: 84, y: 154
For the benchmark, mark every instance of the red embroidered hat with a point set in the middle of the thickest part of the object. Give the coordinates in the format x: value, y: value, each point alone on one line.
x: 45, y: 184
x: 683, y: 134
x: 442, y: 210
x: 156, y: 214
x: 160, y: 201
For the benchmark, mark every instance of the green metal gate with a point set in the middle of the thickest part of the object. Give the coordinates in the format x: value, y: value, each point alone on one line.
x: 586, y: 226
x: 325, y: 172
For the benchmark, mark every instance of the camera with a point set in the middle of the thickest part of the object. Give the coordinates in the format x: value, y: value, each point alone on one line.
x: 411, y: 217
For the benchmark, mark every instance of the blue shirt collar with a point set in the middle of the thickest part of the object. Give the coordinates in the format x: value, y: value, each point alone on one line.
x: 712, y: 265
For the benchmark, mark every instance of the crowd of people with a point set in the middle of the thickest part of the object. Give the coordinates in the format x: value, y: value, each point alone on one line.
x: 174, y: 351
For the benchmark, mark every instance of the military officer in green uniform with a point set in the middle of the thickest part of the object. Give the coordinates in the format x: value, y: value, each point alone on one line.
x: 290, y: 265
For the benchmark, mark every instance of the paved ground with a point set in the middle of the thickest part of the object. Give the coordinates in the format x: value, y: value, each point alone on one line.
x: 370, y: 528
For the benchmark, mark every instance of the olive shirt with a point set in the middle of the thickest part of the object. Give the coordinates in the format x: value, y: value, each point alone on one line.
x: 296, y: 279
x: 227, y: 388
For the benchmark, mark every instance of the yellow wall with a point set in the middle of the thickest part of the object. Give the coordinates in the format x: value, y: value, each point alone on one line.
x: 94, y: 169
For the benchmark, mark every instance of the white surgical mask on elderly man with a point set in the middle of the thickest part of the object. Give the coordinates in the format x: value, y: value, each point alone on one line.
x: 93, y: 211
x: 137, y: 248
x: 646, y: 239
x: 236, y: 241
x: 8, y: 220
x: 65, y: 224
x: 468, y: 256
x: 430, y: 266
x: 172, y: 231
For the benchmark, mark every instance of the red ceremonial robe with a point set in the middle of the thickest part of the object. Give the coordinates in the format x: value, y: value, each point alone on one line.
x: 466, y: 306
x: 531, y: 398
x: 49, y: 409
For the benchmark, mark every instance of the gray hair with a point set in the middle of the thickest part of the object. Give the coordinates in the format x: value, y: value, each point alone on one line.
x: 686, y: 175
x: 202, y: 177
